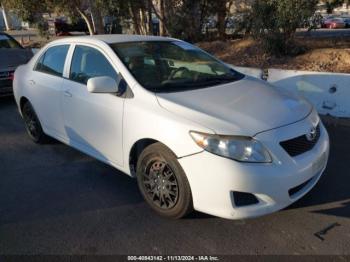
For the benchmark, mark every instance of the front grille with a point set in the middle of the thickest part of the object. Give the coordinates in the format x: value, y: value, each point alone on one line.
x: 301, y: 144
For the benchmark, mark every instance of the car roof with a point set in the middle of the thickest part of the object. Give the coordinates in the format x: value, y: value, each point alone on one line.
x: 115, y: 38
x: 11, y: 37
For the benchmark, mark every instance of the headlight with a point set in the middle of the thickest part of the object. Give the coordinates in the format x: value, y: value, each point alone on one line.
x: 240, y: 148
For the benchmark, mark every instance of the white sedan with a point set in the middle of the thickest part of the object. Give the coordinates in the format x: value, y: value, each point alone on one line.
x: 194, y: 132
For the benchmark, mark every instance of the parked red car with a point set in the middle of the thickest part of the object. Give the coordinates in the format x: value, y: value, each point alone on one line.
x: 334, y: 23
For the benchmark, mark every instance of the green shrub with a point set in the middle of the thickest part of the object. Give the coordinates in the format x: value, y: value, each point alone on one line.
x: 274, y: 22
x: 43, y: 28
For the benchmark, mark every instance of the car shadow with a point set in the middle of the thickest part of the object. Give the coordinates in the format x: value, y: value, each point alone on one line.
x: 42, y: 181
x: 81, y: 187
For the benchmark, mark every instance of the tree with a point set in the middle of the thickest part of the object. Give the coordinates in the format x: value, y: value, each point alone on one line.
x: 138, y: 11
x: 32, y: 10
x: 161, y: 16
x: 96, y: 16
x: 76, y: 8
x: 27, y: 10
x: 179, y: 18
x: 182, y: 18
x: 274, y: 22
x: 221, y: 8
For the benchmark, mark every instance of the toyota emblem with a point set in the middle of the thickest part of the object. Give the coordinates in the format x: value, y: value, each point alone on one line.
x: 311, y: 136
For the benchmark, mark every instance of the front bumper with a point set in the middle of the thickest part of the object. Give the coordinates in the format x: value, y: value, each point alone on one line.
x: 213, y: 179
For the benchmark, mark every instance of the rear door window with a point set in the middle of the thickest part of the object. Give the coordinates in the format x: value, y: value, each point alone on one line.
x: 53, y: 60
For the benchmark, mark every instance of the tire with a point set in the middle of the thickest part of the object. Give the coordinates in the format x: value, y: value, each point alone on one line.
x: 163, y: 183
x: 32, y: 124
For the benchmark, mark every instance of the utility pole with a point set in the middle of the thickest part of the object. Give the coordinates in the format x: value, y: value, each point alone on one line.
x: 4, y: 15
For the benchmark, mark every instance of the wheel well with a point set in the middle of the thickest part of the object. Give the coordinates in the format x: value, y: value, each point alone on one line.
x: 136, y: 151
x: 22, y: 101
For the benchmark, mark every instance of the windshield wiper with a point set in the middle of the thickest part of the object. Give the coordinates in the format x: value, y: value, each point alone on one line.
x: 221, y: 78
x: 190, y: 84
x: 172, y: 86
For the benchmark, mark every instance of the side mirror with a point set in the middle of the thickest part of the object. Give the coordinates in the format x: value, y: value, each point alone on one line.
x: 102, y: 85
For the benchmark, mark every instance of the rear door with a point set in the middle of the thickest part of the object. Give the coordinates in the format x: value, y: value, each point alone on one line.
x: 93, y: 122
x: 46, y: 86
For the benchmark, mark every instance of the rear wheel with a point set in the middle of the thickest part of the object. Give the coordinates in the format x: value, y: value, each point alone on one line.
x: 33, y: 125
x: 163, y: 183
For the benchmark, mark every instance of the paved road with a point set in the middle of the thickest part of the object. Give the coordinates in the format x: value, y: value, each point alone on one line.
x: 326, y: 33
x: 55, y: 200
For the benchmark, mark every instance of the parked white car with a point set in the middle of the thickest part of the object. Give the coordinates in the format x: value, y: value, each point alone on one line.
x: 194, y: 132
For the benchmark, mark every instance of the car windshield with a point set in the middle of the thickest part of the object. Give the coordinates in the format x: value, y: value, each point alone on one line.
x: 170, y: 66
x: 7, y: 42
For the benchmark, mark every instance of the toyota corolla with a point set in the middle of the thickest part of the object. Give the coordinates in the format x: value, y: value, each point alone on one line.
x: 195, y: 133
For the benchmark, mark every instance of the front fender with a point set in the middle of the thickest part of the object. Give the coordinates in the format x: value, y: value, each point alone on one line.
x: 147, y: 120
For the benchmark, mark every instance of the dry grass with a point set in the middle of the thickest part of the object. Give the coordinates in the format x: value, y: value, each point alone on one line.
x: 324, y: 55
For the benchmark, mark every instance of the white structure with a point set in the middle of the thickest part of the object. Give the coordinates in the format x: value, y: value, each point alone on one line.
x: 341, y: 10
x: 328, y: 92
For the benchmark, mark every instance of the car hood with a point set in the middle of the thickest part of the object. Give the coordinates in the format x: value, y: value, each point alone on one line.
x: 245, y: 107
x: 10, y: 58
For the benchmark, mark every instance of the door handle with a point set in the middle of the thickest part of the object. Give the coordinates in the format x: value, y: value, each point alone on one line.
x: 67, y: 93
x: 31, y: 82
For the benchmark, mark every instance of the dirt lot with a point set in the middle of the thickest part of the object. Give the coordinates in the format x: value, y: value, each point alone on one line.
x: 325, y: 55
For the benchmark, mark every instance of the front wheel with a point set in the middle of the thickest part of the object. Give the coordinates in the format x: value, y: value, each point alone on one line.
x: 163, y: 183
